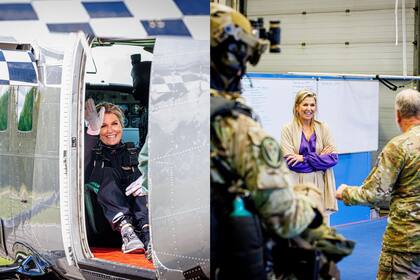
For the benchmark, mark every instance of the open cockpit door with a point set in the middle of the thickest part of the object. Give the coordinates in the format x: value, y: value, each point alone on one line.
x: 179, y: 165
x: 70, y: 151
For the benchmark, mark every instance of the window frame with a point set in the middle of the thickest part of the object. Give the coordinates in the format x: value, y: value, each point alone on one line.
x: 4, y: 93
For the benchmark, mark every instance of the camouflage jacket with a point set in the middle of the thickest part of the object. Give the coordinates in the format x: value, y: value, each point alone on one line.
x: 396, y: 175
x: 256, y: 158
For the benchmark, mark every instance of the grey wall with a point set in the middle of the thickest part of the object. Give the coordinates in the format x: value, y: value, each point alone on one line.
x: 314, y: 36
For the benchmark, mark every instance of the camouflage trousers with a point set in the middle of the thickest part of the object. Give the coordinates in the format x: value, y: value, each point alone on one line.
x: 398, y: 266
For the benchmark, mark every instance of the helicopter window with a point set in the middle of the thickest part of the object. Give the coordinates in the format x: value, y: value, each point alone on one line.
x: 53, y: 75
x: 25, y: 104
x: 4, y: 102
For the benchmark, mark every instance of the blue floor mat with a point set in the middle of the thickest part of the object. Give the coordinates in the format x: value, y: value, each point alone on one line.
x: 363, y: 263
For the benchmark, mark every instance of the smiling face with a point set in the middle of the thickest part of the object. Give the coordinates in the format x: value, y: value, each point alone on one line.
x: 306, y: 109
x: 111, y: 130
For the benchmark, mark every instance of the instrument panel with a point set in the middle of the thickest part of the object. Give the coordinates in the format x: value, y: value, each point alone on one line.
x: 121, y: 96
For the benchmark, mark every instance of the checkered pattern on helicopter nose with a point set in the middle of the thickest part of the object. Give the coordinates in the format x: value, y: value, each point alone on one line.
x: 123, y: 19
x: 17, y: 68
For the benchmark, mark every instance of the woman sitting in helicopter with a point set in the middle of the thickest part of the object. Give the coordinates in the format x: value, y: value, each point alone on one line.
x: 111, y: 167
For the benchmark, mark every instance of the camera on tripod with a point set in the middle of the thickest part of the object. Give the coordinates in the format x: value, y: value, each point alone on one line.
x: 273, y: 34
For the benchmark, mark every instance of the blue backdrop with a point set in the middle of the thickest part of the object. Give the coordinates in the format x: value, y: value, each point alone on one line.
x: 351, y: 169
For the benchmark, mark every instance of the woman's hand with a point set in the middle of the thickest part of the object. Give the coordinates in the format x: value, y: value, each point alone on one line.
x: 135, y: 188
x: 294, y: 159
x: 93, y: 118
x: 327, y: 150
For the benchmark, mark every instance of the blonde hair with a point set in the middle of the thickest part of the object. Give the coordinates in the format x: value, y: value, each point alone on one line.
x: 111, y: 108
x: 407, y: 102
x: 300, y: 96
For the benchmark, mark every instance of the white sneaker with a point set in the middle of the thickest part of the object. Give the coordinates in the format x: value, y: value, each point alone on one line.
x: 131, y: 243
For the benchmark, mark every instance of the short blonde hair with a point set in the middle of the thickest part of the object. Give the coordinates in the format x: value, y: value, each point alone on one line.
x: 300, y: 96
x: 407, y: 102
x: 111, y: 108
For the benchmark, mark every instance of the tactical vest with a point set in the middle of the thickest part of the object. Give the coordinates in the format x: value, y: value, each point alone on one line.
x: 221, y: 172
x: 127, y: 154
x: 236, y: 242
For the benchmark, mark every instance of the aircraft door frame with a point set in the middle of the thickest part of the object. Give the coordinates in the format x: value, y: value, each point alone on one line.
x: 71, y: 152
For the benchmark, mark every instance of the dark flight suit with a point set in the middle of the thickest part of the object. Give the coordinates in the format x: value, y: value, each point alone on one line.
x: 113, y: 169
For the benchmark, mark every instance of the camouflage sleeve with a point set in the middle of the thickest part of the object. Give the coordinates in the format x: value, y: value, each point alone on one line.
x: 283, y: 211
x: 258, y: 159
x: 378, y: 186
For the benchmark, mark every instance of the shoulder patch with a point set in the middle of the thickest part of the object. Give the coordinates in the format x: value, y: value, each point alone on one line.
x: 270, y: 152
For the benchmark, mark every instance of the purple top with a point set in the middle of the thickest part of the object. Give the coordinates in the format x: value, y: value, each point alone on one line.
x: 312, y: 161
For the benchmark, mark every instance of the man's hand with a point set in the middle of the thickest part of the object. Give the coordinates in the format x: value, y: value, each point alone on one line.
x: 135, y: 188
x: 294, y: 159
x: 339, y: 192
x: 93, y: 118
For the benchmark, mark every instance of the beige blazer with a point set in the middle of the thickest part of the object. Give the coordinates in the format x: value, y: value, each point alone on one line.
x: 291, y: 137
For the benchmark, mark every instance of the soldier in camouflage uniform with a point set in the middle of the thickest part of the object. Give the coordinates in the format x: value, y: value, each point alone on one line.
x: 245, y: 160
x: 396, y: 175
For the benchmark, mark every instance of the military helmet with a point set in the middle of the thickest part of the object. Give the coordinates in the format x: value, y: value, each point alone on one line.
x: 233, y: 42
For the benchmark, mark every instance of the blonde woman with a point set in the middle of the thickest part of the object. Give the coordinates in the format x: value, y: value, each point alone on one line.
x: 111, y: 166
x: 309, y: 151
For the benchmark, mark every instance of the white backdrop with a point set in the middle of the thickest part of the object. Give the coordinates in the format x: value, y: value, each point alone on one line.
x: 349, y: 107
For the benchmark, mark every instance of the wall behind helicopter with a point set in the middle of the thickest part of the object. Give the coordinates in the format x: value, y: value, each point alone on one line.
x: 36, y: 20
x: 340, y: 36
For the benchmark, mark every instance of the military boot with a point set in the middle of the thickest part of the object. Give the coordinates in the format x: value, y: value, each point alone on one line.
x: 144, y: 235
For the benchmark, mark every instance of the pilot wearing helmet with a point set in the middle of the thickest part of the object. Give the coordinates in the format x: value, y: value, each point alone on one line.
x: 251, y: 194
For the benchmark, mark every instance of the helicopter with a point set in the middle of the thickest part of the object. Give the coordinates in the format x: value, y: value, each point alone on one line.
x: 43, y: 90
